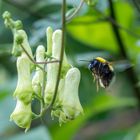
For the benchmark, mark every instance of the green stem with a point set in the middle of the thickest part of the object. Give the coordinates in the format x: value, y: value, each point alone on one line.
x: 75, y: 12
x: 136, y: 5
x: 44, y: 109
x: 131, y: 74
x: 62, y: 50
x: 37, y: 97
x: 36, y: 63
x: 43, y: 87
x: 110, y: 19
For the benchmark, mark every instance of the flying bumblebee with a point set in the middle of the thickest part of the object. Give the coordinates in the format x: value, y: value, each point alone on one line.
x: 102, y: 70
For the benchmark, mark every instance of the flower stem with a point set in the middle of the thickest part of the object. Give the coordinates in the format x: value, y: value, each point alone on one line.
x: 75, y: 12
x: 43, y: 87
x: 62, y: 50
x: 131, y: 73
x: 137, y: 5
x: 36, y: 63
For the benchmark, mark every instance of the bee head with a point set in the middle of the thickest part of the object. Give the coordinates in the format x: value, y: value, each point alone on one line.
x: 92, y: 64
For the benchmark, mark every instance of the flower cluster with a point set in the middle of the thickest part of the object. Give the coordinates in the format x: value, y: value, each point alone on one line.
x: 67, y: 105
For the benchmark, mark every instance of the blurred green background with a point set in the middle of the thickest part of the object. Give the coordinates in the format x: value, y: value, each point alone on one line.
x: 106, y: 30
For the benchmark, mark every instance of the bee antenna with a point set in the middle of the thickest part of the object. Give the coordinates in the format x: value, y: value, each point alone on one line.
x: 85, y: 60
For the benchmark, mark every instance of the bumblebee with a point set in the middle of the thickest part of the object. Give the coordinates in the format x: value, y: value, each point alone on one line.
x: 102, y: 70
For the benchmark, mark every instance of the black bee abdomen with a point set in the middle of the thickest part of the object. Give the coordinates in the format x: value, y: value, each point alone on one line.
x: 107, y: 78
x: 107, y: 75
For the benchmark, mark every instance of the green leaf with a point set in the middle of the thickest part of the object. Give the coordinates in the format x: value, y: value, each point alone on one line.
x: 99, y: 34
x: 92, y: 34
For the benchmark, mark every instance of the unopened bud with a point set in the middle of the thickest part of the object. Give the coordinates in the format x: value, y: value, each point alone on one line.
x: 38, y: 77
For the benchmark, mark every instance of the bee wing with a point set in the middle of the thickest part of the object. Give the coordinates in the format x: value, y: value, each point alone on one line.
x: 122, y: 65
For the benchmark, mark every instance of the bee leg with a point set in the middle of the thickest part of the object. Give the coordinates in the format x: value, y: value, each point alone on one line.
x: 94, y: 76
x: 97, y: 84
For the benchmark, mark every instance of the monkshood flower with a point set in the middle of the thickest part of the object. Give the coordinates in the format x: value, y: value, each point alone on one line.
x: 22, y: 115
x: 70, y: 102
x: 38, y: 77
x: 24, y: 89
x: 68, y: 105
x: 56, y: 49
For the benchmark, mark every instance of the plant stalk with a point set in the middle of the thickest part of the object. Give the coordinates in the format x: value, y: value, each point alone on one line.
x: 62, y: 50
x: 131, y: 73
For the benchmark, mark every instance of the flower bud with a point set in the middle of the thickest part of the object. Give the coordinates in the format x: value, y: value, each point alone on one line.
x: 6, y: 15
x: 17, y: 50
x: 20, y: 37
x: 49, y: 33
x: 24, y: 89
x: 38, y: 77
x: 71, y: 106
x: 18, y: 25
x: 56, y: 51
x: 10, y: 23
x: 25, y: 42
x: 22, y: 115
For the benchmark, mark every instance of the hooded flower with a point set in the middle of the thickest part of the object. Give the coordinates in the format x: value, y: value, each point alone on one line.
x: 24, y: 89
x: 38, y: 77
x: 69, y: 107
x: 56, y: 49
x: 22, y: 115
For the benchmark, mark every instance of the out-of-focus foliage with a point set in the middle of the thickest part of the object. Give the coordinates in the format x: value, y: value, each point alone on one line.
x: 110, y: 114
